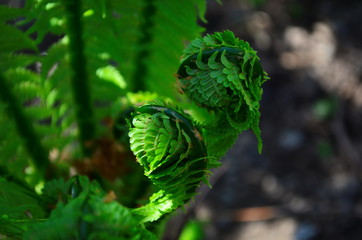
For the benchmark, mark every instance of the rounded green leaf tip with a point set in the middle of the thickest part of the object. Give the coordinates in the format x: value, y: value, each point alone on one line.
x: 172, y: 152
x: 169, y: 147
x: 222, y: 73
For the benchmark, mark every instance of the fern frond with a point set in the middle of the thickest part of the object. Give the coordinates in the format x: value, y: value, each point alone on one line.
x: 20, y: 87
x: 12, y: 40
x: 114, y: 34
x: 147, y: 54
x: 13, y: 61
x: 172, y: 152
x: 13, y: 155
x: 113, y: 30
x: 24, y: 128
x: 223, y: 74
x: 45, y: 17
x: 88, y: 214
x: 8, y: 13
x: 19, y: 208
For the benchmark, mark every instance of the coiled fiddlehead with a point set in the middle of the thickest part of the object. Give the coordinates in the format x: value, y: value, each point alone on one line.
x: 173, y: 154
x: 223, y: 74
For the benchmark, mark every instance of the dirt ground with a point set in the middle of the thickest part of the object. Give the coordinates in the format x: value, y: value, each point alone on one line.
x: 307, y: 182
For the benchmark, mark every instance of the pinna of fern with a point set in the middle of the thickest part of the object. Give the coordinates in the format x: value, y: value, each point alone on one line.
x: 172, y: 151
x: 88, y: 213
x: 223, y: 74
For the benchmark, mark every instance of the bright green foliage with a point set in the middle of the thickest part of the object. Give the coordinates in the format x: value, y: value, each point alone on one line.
x: 19, y: 208
x: 61, y: 105
x: 192, y: 231
x: 128, y: 44
x: 14, y: 109
x: 13, y: 39
x: 88, y: 214
x: 12, y: 149
x: 18, y: 139
x: 159, y: 32
x: 223, y: 74
x: 173, y: 154
x: 111, y: 47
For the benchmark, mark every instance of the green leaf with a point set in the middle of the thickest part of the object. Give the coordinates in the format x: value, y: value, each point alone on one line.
x: 229, y: 86
x: 12, y: 39
x: 19, y: 207
x: 18, y: 201
x: 12, y: 61
x: 173, y: 154
x: 9, y: 13
x: 201, y: 7
x: 147, y: 41
x: 112, y: 75
x: 87, y: 215
x: 192, y: 231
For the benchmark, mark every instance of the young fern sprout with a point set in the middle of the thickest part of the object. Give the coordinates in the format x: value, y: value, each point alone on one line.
x: 223, y: 74
x: 172, y: 152
x: 220, y: 73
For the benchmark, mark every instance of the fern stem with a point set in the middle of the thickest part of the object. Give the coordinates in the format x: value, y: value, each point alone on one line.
x: 79, y: 81
x: 146, y: 28
x: 24, y: 127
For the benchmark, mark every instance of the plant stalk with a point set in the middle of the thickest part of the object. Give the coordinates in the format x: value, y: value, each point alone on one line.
x: 146, y: 28
x: 80, y: 81
x: 24, y: 127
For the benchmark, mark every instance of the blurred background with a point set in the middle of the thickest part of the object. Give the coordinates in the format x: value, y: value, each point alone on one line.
x: 306, y: 185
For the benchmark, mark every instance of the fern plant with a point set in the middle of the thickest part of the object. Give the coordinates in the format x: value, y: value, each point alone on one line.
x: 78, y: 113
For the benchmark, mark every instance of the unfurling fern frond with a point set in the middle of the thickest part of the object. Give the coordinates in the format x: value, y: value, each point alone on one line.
x: 223, y: 74
x: 173, y: 154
